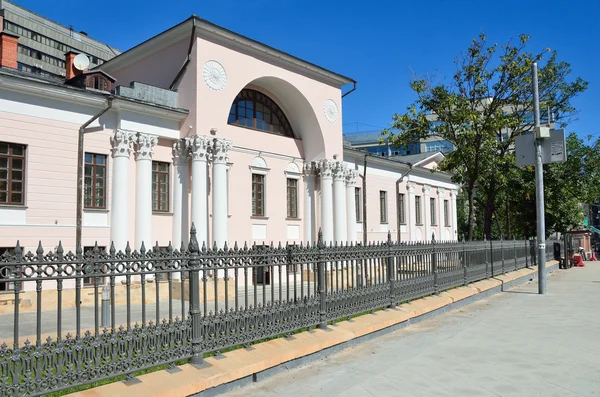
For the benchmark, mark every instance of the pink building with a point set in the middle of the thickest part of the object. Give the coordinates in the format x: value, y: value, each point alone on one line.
x: 201, y: 125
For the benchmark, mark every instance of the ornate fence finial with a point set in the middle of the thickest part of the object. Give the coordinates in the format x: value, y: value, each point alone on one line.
x: 320, y: 237
x: 193, y: 245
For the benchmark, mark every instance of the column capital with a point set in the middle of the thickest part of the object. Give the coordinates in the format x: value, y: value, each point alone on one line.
x: 426, y: 189
x: 325, y: 169
x: 219, y: 150
x: 180, y: 152
x: 440, y: 191
x: 198, y: 147
x: 410, y: 187
x: 144, y: 144
x: 351, y: 177
x: 309, y: 169
x: 338, y: 170
x: 453, y: 194
x: 121, y: 143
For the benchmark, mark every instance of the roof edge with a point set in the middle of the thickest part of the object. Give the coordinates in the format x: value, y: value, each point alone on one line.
x: 210, y: 29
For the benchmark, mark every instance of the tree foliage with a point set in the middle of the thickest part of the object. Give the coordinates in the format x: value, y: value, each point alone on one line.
x: 480, y: 111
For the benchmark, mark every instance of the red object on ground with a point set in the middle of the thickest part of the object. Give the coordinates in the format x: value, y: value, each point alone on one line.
x: 593, y: 258
x: 578, y: 261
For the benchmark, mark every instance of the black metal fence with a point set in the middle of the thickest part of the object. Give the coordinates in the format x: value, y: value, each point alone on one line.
x: 182, y: 304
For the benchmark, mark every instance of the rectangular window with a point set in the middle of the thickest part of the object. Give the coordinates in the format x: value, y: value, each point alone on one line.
x: 12, y: 173
x: 383, y: 206
x: 418, y: 210
x: 89, y: 281
x: 94, y: 181
x: 432, y: 211
x: 292, y: 198
x: 401, y: 209
x: 258, y: 195
x: 358, y: 204
x: 160, y: 186
x: 446, y: 215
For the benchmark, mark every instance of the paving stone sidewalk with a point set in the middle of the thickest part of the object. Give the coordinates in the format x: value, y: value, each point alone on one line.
x: 515, y: 343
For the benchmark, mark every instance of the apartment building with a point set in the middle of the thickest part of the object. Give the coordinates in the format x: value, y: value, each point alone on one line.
x: 43, y: 43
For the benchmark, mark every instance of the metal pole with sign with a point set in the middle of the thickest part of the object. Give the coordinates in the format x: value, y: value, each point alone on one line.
x: 540, y: 134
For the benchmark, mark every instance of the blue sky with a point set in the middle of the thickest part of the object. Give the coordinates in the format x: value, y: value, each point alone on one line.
x: 378, y: 43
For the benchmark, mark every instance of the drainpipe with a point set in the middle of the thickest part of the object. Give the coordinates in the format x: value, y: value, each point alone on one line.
x: 188, y: 57
x: 364, y: 201
x: 79, y: 214
x: 398, y: 197
x: 351, y: 90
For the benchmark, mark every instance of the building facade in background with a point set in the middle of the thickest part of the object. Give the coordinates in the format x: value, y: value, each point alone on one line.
x: 243, y: 140
x: 43, y: 43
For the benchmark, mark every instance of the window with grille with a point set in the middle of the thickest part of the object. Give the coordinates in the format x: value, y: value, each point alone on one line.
x: 418, y: 219
x: 401, y: 209
x: 446, y: 215
x: 358, y: 204
x: 258, y: 195
x: 255, y: 110
x: 160, y: 186
x: 292, y: 198
x: 94, y: 181
x: 12, y: 173
x: 383, y: 218
x: 432, y: 211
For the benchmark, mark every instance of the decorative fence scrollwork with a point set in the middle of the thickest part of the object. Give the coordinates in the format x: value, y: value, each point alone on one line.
x: 82, y: 317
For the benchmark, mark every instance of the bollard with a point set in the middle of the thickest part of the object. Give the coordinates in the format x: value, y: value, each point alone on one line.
x: 105, y: 307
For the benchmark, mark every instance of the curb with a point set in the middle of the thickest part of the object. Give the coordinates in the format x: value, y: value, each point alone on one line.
x: 241, y: 367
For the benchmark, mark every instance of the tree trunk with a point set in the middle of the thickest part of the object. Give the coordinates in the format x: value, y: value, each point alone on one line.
x: 470, y: 218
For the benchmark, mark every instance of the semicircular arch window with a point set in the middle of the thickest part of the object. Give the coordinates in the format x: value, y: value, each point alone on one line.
x: 253, y: 109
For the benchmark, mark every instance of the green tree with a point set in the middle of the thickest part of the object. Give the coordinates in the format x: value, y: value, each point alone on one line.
x: 481, y: 110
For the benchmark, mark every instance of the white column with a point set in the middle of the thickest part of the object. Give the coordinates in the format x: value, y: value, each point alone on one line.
x: 339, y: 202
x: 454, y: 219
x: 143, y: 190
x: 325, y: 172
x: 219, y: 150
x: 119, y: 213
x: 180, y: 196
x: 198, y: 150
x: 441, y: 223
x: 309, y: 202
x: 427, y: 209
x: 351, y: 176
x: 412, y: 219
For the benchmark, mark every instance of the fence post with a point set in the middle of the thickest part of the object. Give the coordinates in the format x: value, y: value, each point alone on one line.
x: 515, y: 251
x: 464, y: 249
x: 321, y: 282
x: 502, y: 253
x: 390, y: 271
x: 526, y: 254
x: 565, y: 252
x: 487, y: 263
x: 194, y: 298
x: 434, y: 265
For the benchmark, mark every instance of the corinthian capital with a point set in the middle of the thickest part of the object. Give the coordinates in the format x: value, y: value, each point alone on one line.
x: 180, y: 152
x: 325, y: 169
x: 220, y: 147
x: 339, y: 171
x: 351, y: 177
x: 121, y: 143
x: 197, y: 147
x: 144, y: 144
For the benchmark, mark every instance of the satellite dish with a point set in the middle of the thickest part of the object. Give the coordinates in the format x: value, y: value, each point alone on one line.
x: 81, y: 62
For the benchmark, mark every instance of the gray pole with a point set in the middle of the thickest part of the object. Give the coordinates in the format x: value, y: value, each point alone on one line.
x: 539, y: 188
